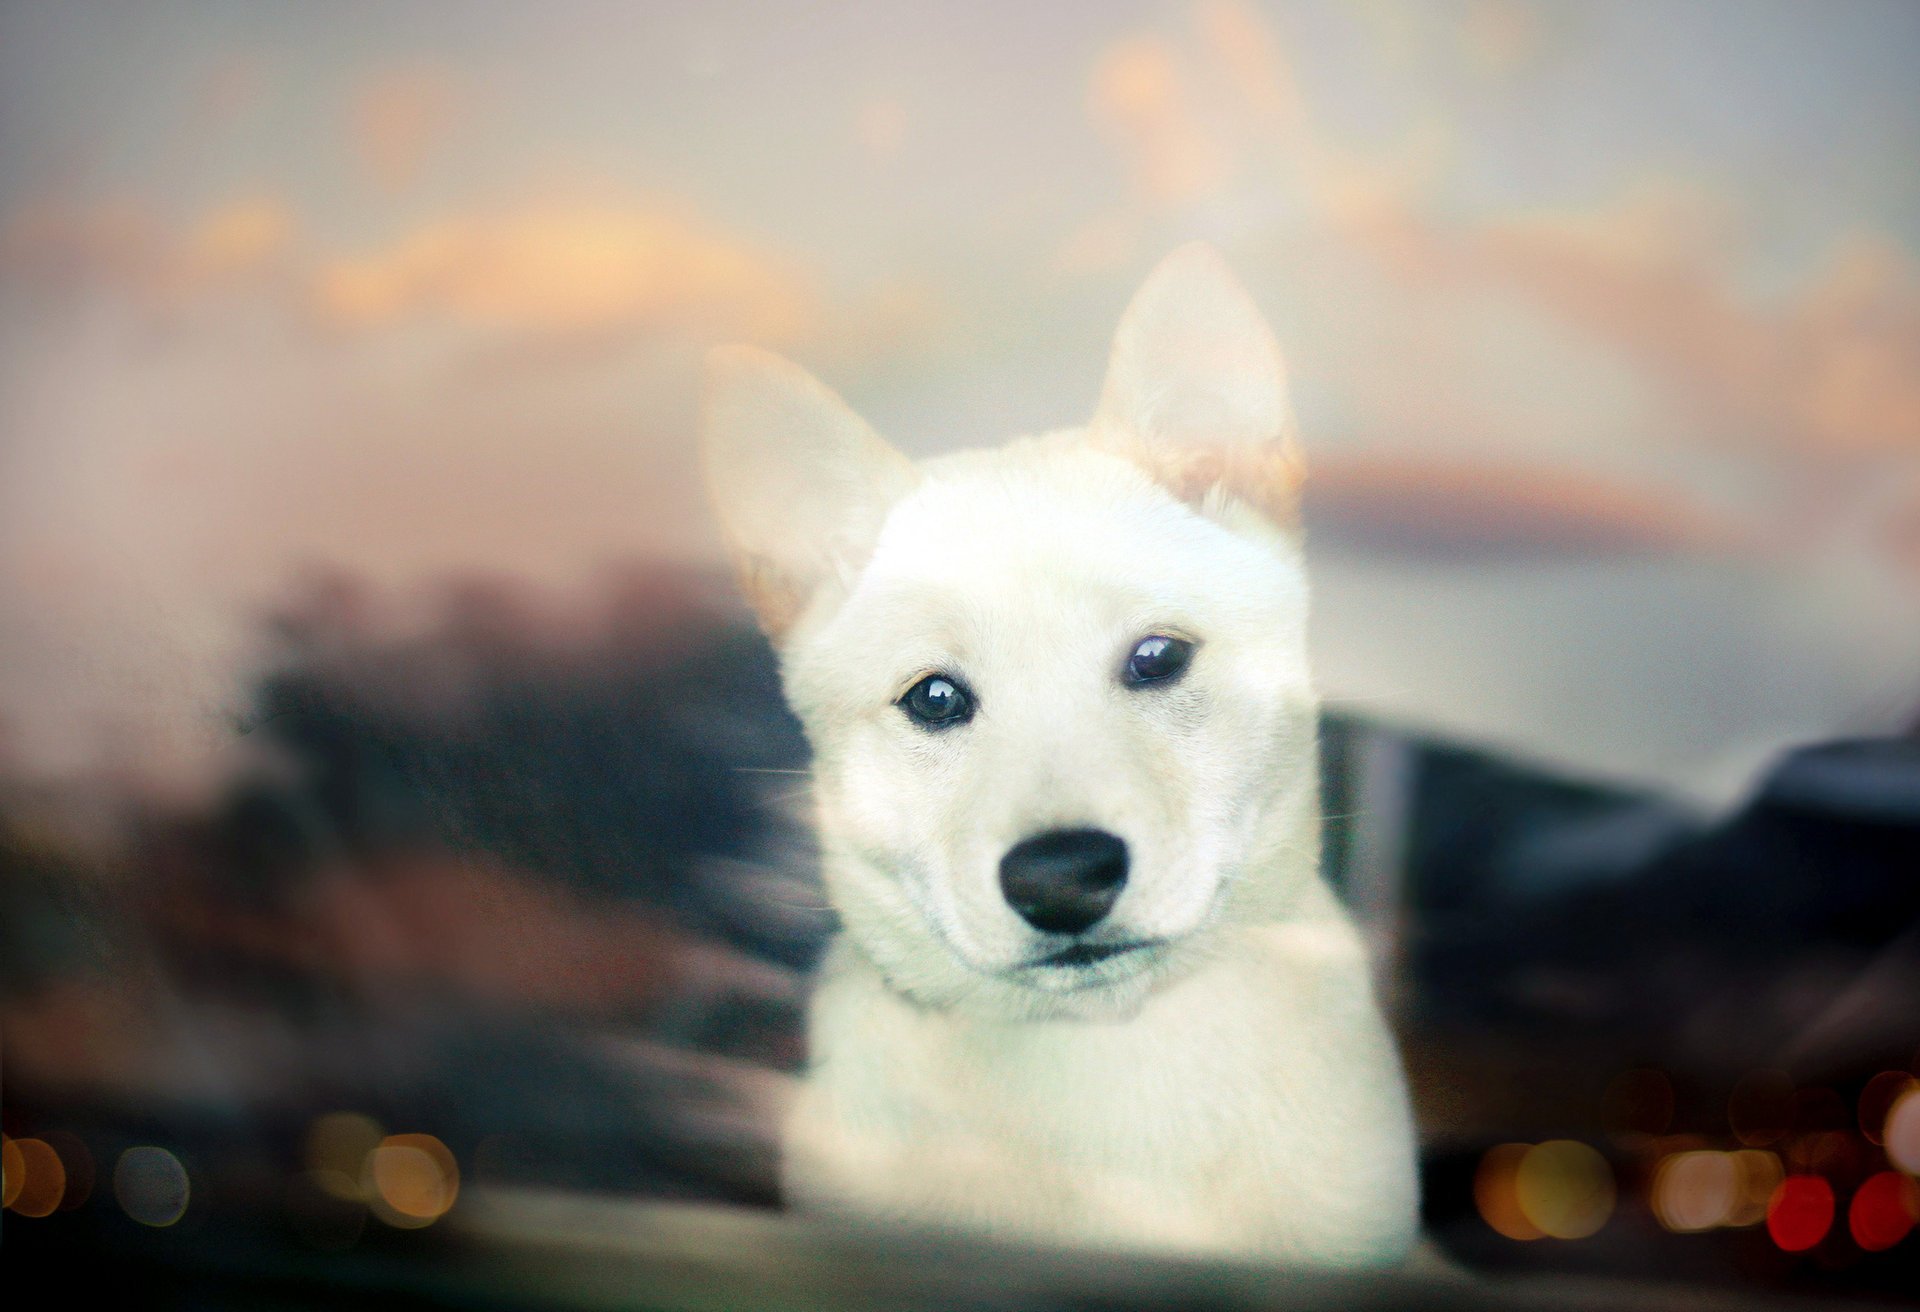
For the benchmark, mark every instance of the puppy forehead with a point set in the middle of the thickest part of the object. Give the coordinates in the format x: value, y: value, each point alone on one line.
x: 1033, y: 527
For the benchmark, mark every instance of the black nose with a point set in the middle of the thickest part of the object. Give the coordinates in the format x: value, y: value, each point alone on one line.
x: 1064, y: 880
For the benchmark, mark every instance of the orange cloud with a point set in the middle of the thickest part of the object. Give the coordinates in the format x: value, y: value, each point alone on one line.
x: 1219, y: 116
x: 46, y: 243
x: 564, y: 269
x: 1834, y: 366
x: 51, y: 246
x: 399, y: 116
x: 240, y: 236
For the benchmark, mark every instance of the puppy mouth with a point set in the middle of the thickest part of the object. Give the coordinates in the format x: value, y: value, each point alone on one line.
x: 1081, y: 955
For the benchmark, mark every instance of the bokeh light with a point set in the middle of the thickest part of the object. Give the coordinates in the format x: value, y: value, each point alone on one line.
x: 43, y: 1179
x: 1884, y: 1211
x: 1695, y: 1191
x: 1800, y: 1212
x: 1759, y: 1173
x: 1706, y: 1190
x: 1565, y: 1188
x: 1877, y: 1101
x: 151, y: 1185
x: 1760, y: 1110
x: 411, y: 1180
x: 13, y: 1171
x: 337, y: 1147
x: 1901, y: 1137
x: 1493, y: 1193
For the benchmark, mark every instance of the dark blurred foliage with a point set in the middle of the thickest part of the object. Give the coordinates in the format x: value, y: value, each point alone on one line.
x: 537, y: 886
x: 1542, y: 904
x: 612, y: 766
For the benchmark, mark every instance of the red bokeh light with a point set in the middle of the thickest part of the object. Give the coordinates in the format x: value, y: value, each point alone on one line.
x: 1800, y: 1212
x: 1884, y: 1211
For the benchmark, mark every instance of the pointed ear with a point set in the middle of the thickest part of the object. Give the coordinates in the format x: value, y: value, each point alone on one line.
x: 1196, y: 390
x: 801, y: 485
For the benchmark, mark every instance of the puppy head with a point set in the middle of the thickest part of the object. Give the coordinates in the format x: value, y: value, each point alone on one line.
x: 1057, y: 692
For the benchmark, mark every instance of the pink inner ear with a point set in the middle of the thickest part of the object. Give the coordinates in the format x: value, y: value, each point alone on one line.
x: 800, y: 483
x: 1196, y: 390
x: 776, y: 600
x: 1266, y: 476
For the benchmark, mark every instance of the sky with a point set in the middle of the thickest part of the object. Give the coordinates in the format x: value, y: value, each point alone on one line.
x: 1602, y: 322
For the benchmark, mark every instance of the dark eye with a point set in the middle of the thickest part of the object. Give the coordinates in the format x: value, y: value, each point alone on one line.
x: 937, y: 701
x: 1158, y: 658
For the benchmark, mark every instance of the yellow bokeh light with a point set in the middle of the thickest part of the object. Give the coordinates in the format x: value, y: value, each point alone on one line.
x: 337, y: 1148
x: 1564, y: 1188
x: 411, y: 1180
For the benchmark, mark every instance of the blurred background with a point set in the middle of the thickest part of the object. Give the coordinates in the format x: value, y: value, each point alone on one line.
x: 397, y: 812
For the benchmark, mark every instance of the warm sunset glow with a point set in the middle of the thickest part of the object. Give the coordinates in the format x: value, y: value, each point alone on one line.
x: 566, y: 268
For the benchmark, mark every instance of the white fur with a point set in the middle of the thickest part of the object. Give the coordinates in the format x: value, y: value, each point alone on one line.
x: 1232, y: 1089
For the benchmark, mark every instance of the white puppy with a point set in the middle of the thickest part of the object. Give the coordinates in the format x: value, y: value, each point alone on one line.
x: 1091, y: 986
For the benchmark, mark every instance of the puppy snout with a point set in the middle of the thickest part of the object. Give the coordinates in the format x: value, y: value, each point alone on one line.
x: 1063, y: 881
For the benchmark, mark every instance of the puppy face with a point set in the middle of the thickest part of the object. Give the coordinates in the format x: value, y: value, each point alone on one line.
x: 1057, y: 693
